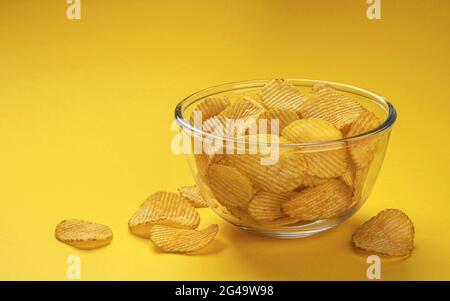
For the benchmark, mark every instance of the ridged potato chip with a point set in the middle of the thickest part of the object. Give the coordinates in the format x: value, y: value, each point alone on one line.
x: 322, y: 201
x: 359, y: 181
x: 83, y: 234
x: 283, y: 116
x: 321, y: 163
x: 266, y: 206
x: 278, y: 93
x: 363, y: 151
x: 163, y: 208
x: 245, y: 108
x: 193, y: 195
x: 283, y: 176
x: 230, y: 187
x: 390, y: 232
x: 327, y: 103
x: 310, y: 181
x: 210, y: 107
x: 175, y: 240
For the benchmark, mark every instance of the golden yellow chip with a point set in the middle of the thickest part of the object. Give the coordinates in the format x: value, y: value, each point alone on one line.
x: 193, y: 195
x: 321, y: 163
x: 283, y: 116
x: 283, y: 176
x: 359, y: 182
x: 83, y: 234
x: 210, y: 107
x: 322, y: 201
x: 278, y: 93
x: 245, y: 108
x: 164, y: 208
x: 390, y: 232
x: 230, y: 187
x: 310, y: 181
x: 266, y: 206
x: 363, y: 151
x: 327, y: 103
x: 175, y: 240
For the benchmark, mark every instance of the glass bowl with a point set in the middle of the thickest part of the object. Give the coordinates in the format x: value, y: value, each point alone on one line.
x: 215, y: 191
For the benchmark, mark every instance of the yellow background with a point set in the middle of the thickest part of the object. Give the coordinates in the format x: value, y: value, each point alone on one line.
x: 86, y: 108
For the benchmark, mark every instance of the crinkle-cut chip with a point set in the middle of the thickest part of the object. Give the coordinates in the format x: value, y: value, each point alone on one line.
x: 246, y: 108
x: 359, y: 183
x: 311, y: 181
x: 210, y: 107
x: 193, y: 195
x: 175, y: 240
x: 322, y: 163
x: 83, y: 234
x: 322, y: 201
x: 311, y: 130
x: 278, y: 93
x: 329, y: 104
x: 283, y: 116
x: 229, y: 186
x: 283, y: 176
x: 266, y: 206
x: 327, y: 164
x: 257, y: 144
x: 364, y: 150
x: 163, y: 208
x: 390, y: 232
x: 348, y: 177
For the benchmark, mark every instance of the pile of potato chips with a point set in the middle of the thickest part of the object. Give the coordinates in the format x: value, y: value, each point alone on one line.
x: 305, y: 184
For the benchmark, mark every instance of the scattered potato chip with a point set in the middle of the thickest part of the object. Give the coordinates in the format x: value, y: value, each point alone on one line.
x: 363, y: 151
x: 266, y: 206
x: 321, y: 163
x: 229, y: 186
x: 390, y: 232
x: 283, y: 116
x: 279, y: 94
x: 210, y: 107
x: 322, y: 201
x: 327, y: 103
x: 83, y: 234
x: 164, y: 208
x: 193, y: 195
x: 175, y: 240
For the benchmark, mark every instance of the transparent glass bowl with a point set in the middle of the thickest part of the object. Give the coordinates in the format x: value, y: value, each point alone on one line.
x: 359, y: 180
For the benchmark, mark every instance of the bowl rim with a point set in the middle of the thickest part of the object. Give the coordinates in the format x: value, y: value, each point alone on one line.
x: 226, y: 87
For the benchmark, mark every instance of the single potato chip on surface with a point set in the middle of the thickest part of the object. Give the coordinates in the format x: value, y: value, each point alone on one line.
x: 266, y: 206
x: 83, y: 234
x: 164, y: 208
x: 390, y: 232
x: 321, y: 163
x: 230, y: 187
x: 364, y: 150
x: 175, y: 240
x: 327, y: 103
x: 322, y: 201
x: 279, y: 94
x: 193, y: 195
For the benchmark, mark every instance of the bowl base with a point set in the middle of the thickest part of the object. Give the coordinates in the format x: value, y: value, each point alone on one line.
x: 288, y: 234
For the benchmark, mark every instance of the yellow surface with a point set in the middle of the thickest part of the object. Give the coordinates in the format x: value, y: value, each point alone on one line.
x: 86, y: 108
